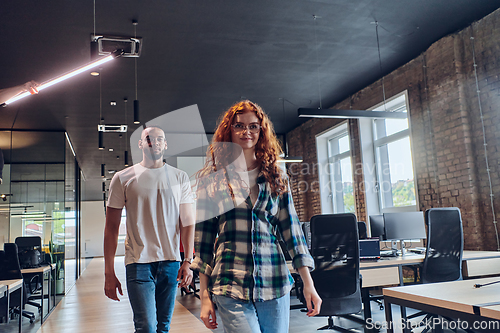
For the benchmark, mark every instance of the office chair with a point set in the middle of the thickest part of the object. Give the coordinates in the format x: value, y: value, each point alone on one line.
x: 335, y: 249
x: 30, y: 251
x: 443, y: 258
x: 30, y: 255
x: 9, y: 270
x: 362, y: 230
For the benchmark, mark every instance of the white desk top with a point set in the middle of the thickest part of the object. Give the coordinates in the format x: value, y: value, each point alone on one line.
x: 37, y: 269
x: 473, y: 255
x: 491, y: 311
x: 414, y: 259
x: 457, y: 295
x: 12, y: 284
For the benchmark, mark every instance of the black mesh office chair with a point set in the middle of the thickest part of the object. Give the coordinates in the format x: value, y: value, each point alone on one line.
x: 30, y: 251
x: 335, y: 249
x: 9, y: 270
x: 443, y: 258
x: 30, y: 255
x: 362, y: 230
x: 445, y: 243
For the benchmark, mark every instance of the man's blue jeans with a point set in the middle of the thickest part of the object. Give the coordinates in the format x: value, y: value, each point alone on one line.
x: 152, y: 288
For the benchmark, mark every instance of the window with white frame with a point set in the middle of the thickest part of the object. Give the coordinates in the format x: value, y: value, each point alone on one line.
x: 393, y: 158
x: 340, y: 170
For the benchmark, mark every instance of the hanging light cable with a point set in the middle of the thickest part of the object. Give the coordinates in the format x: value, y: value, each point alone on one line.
x: 136, y: 101
x: 317, y: 59
x: 380, y: 63
x: 341, y: 113
x: 430, y: 130
x: 101, y: 133
x: 126, y: 135
x: 286, y: 158
x: 484, y: 141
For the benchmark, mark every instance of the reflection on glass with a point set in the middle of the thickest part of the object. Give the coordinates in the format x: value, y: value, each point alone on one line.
x: 344, y: 144
x: 388, y: 127
x: 399, y: 171
x: 347, y: 185
x: 395, y: 125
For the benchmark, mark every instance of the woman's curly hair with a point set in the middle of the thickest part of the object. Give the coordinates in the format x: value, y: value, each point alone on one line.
x: 267, y: 149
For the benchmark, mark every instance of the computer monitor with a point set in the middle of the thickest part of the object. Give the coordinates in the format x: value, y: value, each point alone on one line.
x: 404, y: 226
x: 377, y: 226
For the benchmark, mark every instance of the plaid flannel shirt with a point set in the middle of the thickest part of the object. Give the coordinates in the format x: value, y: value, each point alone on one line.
x: 249, y: 264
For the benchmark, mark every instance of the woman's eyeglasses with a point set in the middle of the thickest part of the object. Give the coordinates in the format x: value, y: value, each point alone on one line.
x: 252, y: 128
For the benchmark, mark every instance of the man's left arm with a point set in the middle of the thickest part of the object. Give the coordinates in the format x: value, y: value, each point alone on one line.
x: 187, y: 220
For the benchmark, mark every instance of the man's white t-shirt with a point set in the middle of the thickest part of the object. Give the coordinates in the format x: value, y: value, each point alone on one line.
x: 152, y: 204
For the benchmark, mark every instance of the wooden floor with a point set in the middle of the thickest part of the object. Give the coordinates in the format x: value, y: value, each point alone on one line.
x: 86, y: 309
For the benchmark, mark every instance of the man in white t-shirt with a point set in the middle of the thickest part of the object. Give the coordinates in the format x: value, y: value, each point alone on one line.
x: 158, y: 203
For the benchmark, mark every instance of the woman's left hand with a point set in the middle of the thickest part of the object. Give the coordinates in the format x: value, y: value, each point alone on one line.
x: 313, y: 301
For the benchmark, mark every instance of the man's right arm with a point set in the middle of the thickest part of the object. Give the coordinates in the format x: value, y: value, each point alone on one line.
x: 111, y: 282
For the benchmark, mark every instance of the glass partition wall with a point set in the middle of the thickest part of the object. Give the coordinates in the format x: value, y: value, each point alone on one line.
x: 39, y: 185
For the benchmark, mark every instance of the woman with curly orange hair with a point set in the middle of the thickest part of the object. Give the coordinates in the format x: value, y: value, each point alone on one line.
x: 243, y: 202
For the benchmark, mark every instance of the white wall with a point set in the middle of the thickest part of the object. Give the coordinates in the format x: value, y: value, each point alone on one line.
x: 93, y: 220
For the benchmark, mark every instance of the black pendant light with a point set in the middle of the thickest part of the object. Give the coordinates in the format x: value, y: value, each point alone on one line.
x: 136, y: 101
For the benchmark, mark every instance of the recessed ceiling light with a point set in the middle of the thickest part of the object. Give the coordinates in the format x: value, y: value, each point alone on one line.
x: 112, y: 103
x: 110, y: 149
x: 94, y: 73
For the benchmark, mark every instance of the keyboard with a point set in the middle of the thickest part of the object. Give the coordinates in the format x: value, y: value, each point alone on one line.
x: 418, y: 250
x: 388, y: 253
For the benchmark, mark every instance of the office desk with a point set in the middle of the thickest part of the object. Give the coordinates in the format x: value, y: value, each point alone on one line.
x: 11, y: 286
x: 42, y: 272
x: 389, y: 271
x: 457, y: 299
x: 492, y: 311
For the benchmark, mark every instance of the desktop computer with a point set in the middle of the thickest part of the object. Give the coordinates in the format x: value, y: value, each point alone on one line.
x: 404, y: 226
x: 377, y: 226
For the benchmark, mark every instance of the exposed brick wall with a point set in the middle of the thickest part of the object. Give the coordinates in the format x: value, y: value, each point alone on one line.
x: 446, y: 128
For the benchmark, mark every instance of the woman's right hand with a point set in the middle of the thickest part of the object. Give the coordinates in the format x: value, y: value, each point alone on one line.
x: 207, y: 314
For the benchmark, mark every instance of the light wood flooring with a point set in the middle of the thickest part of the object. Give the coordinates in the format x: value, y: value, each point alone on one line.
x: 86, y: 309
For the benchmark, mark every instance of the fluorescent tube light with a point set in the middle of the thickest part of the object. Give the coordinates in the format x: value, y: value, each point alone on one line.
x: 346, y: 114
x: 290, y: 159
x: 70, y: 144
x: 63, y: 77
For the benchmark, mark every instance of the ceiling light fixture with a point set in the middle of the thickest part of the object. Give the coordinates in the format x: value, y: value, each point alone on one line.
x: 136, y: 101
x: 66, y: 76
x: 112, y: 128
x: 346, y: 114
x: 103, y: 170
x: 101, y: 141
x: 70, y: 144
x: 4, y: 196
